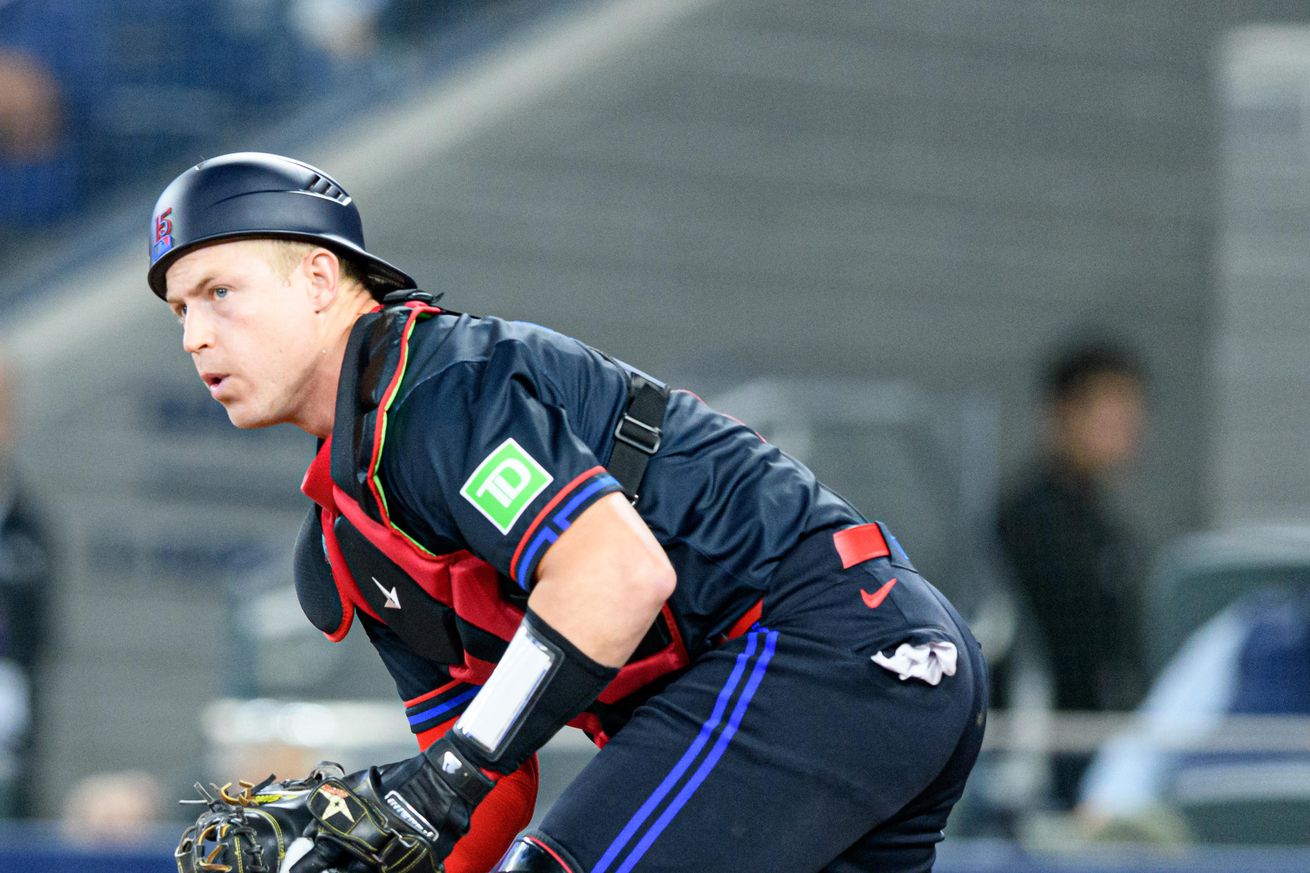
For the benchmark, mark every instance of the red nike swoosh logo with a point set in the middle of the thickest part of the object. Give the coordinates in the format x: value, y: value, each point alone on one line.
x: 874, y: 600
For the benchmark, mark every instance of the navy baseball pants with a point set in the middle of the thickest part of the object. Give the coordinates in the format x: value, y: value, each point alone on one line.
x: 787, y: 748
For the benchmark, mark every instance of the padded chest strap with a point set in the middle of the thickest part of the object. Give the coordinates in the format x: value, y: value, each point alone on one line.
x: 640, y: 429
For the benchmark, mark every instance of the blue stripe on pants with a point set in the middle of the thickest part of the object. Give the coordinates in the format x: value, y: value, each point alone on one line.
x: 707, y: 730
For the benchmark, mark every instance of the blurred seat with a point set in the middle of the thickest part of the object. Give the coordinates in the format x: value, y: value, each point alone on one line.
x: 1249, y: 820
x: 1224, y: 737
x: 1200, y: 574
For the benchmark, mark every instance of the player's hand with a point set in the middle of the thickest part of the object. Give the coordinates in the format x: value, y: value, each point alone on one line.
x: 402, y: 817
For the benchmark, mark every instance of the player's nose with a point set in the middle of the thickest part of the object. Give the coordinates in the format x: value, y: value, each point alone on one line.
x: 197, y: 332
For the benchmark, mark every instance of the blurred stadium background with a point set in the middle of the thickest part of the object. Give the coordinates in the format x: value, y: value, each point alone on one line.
x: 858, y: 225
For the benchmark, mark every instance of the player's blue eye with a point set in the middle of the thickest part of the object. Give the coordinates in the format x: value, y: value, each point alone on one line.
x: 220, y: 292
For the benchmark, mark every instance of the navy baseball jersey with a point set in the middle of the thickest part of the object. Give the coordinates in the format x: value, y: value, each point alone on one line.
x: 497, y: 439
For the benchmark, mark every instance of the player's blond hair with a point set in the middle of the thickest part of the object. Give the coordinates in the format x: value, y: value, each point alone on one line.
x: 284, y: 255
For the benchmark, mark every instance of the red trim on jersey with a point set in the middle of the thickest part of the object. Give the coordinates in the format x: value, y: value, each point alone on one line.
x: 433, y: 693
x: 858, y: 544
x: 743, y: 624
x: 541, y: 516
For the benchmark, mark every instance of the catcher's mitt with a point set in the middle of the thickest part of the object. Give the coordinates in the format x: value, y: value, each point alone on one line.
x: 249, y: 831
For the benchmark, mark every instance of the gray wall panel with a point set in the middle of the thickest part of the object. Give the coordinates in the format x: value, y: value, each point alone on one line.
x: 1260, y: 360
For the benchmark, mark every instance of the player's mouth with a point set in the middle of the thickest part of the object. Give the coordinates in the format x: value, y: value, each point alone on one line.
x: 214, y: 382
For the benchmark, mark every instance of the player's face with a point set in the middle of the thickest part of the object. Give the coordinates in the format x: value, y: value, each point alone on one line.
x: 250, y: 329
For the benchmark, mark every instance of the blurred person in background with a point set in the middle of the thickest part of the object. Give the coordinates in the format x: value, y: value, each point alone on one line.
x: 114, y: 809
x: 1070, y: 555
x: 30, y: 111
x: 51, y: 62
x: 94, y: 95
x: 25, y: 579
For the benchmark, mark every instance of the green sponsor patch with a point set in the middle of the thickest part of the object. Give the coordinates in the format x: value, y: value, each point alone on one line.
x: 504, y: 484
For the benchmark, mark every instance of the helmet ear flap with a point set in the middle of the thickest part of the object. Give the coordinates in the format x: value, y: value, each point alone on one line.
x: 248, y: 195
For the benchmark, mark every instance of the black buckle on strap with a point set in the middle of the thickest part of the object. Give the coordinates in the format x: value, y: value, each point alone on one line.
x: 638, y: 434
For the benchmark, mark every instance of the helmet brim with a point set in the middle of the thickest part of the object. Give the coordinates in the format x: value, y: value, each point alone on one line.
x: 381, y: 277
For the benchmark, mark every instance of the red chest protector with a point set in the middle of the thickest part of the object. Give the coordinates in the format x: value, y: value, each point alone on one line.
x: 453, y: 609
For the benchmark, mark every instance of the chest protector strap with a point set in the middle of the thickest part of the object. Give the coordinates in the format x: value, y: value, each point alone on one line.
x: 639, y: 432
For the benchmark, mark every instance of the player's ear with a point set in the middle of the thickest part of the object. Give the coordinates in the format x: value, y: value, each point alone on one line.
x: 323, y: 271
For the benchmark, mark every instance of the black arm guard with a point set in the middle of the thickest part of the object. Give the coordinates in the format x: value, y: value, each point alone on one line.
x: 521, y: 714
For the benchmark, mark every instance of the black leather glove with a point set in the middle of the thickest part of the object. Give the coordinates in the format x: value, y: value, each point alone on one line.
x: 401, y: 817
x: 250, y: 830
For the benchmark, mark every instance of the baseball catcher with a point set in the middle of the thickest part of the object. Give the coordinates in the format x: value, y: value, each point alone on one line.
x: 534, y: 534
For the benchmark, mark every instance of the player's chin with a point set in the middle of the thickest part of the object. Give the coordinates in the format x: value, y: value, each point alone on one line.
x: 246, y: 418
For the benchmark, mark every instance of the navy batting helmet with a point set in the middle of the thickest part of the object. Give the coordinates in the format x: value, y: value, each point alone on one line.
x: 251, y: 194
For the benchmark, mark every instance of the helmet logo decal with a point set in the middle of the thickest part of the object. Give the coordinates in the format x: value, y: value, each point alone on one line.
x: 163, y: 235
